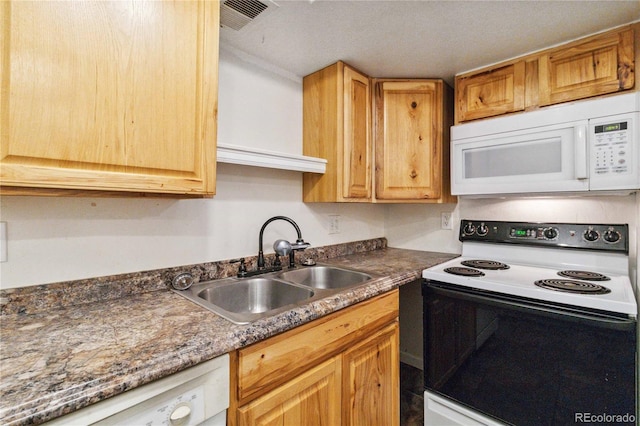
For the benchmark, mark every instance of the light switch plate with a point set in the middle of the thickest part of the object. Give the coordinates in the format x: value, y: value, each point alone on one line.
x: 3, y: 242
x: 334, y: 224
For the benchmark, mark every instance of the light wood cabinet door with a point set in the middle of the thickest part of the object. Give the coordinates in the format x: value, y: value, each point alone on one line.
x: 371, y: 380
x: 339, y: 369
x: 594, y: 66
x: 411, y: 155
x: 111, y: 96
x: 337, y: 127
x: 312, y: 398
x: 600, y: 64
x: 494, y: 92
x: 357, y: 135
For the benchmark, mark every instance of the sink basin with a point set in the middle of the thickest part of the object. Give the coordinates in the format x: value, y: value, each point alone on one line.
x: 245, y: 300
x: 325, y: 277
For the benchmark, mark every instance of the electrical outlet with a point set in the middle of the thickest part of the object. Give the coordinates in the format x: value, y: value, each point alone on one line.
x: 445, y: 220
x: 334, y: 224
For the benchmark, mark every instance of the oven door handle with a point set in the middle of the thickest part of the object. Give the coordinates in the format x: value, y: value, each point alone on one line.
x: 574, y: 314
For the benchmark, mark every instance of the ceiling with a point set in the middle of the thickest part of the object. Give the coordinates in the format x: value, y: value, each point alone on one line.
x: 422, y: 38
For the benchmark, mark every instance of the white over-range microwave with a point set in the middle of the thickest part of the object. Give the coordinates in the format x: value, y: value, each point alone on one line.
x: 591, y: 145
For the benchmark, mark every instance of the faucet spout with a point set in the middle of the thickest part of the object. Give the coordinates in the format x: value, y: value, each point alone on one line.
x: 300, y: 244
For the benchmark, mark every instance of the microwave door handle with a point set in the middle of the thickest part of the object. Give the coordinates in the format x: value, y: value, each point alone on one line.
x: 580, y: 141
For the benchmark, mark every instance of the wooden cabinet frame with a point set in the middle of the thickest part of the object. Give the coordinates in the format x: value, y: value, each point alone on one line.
x: 344, y: 346
x: 339, y: 107
x: 412, y: 120
x: 337, y: 127
x: 600, y: 64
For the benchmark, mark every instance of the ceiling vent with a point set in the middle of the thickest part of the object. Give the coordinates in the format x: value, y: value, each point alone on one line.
x: 235, y: 14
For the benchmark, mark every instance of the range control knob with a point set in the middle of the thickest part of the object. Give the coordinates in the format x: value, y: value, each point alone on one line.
x: 591, y: 234
x: 612, y: 236
x: 482, y: 230
x: 550, y: 233
x: 469, y: 229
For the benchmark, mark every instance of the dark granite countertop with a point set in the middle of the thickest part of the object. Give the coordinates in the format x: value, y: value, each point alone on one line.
x: 56, y: 361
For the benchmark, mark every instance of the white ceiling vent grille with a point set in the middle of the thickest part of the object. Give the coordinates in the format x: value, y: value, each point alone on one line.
x: 235, y: 14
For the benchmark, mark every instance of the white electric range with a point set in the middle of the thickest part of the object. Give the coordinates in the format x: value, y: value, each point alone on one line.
x: 528, y: 322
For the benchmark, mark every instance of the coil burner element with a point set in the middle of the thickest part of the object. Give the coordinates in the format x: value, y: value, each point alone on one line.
x: 485, y: 264
x: 466, y: 272
x: 571, y: 286
x: 584, y: 275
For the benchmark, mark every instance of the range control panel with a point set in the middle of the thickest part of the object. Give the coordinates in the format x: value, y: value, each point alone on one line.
x: 570, y: 235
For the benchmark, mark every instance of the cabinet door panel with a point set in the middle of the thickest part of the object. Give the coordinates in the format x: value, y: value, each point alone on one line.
x: 409, y: 140
x: 599, y: 65
x: 371, y: 385
x: 357, y: 135
x: 494, y: 92
x: 123, y: 97
x: 269, y: 363
x: 310, y: 399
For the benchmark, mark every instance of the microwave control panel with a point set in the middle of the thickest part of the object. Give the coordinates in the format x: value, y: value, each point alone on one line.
x: 612, y: 150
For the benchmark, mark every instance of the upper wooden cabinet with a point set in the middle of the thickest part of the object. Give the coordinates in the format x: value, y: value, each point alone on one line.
x: 411, y: 143
x: 494, y: 92
x: 337, y: 127
x: 592, y: 66
x: 109, y: 96
x: 412, y: 140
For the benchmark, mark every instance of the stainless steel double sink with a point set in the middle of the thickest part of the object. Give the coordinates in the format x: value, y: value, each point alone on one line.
x: 244, y: 300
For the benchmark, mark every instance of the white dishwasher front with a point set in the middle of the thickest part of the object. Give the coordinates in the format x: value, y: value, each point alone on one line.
x: 196, y: 396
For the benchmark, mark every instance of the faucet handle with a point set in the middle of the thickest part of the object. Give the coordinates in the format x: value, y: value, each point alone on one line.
x: 282, y: 247
x: 242, y: 269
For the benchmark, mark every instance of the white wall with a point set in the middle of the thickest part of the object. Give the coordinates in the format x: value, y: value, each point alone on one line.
x: 60, y: 239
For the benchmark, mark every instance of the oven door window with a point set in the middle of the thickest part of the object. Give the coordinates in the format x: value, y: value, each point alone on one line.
x: 528, y: 366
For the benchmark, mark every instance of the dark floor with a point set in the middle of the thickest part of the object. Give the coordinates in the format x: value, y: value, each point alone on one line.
x: 411, y: 396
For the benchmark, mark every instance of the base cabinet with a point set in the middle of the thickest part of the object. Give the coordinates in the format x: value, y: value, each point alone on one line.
x: 342, y: 369
x: 371, y: 370
x: 309, y: 399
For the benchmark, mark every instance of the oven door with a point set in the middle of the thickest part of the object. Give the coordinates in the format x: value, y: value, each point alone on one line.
x: 543, y: 159
x: 525, y: 362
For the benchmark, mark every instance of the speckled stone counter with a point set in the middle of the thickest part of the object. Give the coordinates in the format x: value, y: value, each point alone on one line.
x: 55, y: 360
